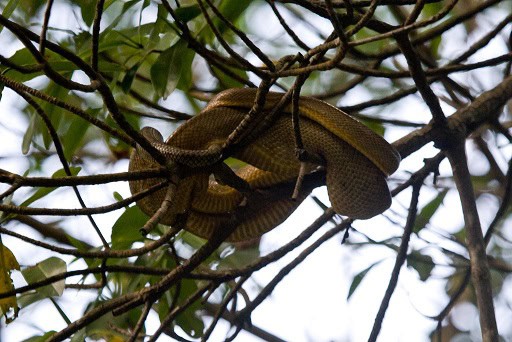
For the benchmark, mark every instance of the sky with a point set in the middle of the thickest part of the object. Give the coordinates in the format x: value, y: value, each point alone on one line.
x: 310, y: 303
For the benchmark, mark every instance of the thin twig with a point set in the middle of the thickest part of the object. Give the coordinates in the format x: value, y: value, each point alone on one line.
x: 44, y: 29
x: 62, y: 158
x: 400, y: 259
x: 244, y: 314
x: 96, y: 34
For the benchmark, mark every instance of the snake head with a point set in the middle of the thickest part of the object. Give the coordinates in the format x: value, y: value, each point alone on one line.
x: 140, y: 159
x: 155, y: 138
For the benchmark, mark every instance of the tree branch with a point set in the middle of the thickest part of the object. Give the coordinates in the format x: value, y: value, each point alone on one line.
x: 480, y: 274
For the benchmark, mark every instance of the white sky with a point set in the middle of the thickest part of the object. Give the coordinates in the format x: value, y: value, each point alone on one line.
x: 310, y: 303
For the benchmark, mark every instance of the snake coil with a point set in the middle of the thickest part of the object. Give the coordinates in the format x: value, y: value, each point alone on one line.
x: 356, y: 161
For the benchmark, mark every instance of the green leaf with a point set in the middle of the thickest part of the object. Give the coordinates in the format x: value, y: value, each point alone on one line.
x: 240, y: 258
x: 88, y: 10
x: 9, y: 9
x: 21, y: 57
x: 41, y: 192
x: 188, y: 320
x: 430, y: 10
x: 185, y: 81
x: 128, y: 78
x: 376, y: 127
x: 423, y: 264
x: 29, y: 134
x: 29, y: 298
x: 187, y: 13
x: 24, y: 58
x: 78, y: 244
x: 44, y: 270
x: 161, y: 25
x: 120, y: 16
x: 74, y: 136
x: 117, y: 196
x: 231, y: 10
x: 434, y: 46
x: 145, y: 4
x: 372, y: 46
x: 426, y: 213
x: 55, y: 114
x: 62, y: 66
x: 126, y: 230
x: 359, y: 277
x: 226, y: 80
x: 172, y: 66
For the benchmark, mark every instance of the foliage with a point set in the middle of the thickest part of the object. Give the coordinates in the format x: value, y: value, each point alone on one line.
x: 81, y: 90
x: 7, y: 264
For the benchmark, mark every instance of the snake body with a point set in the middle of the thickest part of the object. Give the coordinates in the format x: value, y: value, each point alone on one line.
x: 356, y: 162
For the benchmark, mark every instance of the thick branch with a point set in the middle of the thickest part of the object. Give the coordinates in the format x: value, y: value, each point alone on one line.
x: 480, y: 274
x: 483, y: 109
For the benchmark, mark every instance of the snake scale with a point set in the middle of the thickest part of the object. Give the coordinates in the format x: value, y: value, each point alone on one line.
x: 356, y: 161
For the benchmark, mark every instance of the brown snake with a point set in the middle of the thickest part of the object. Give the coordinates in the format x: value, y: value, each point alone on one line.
x: 356, y: 162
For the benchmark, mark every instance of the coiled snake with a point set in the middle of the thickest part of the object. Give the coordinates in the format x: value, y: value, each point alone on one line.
x: 356, y: 162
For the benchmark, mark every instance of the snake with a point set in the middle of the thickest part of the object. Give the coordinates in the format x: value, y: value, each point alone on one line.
x: 355, y: 159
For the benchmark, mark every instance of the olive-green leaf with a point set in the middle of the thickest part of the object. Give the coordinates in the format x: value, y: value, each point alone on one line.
x: 172, y: 65
x: 227, y: 80
x: 126, y: 230
x: 43, y: 270
x: 423, y: 264
x: 426, y: 213
x: 187, y: 13
x: 29, y: 134
x: 359, y: 277
x: 9, y: 9
x: 74, y: 136
x: 128, y: 78
x: 240, y: 258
